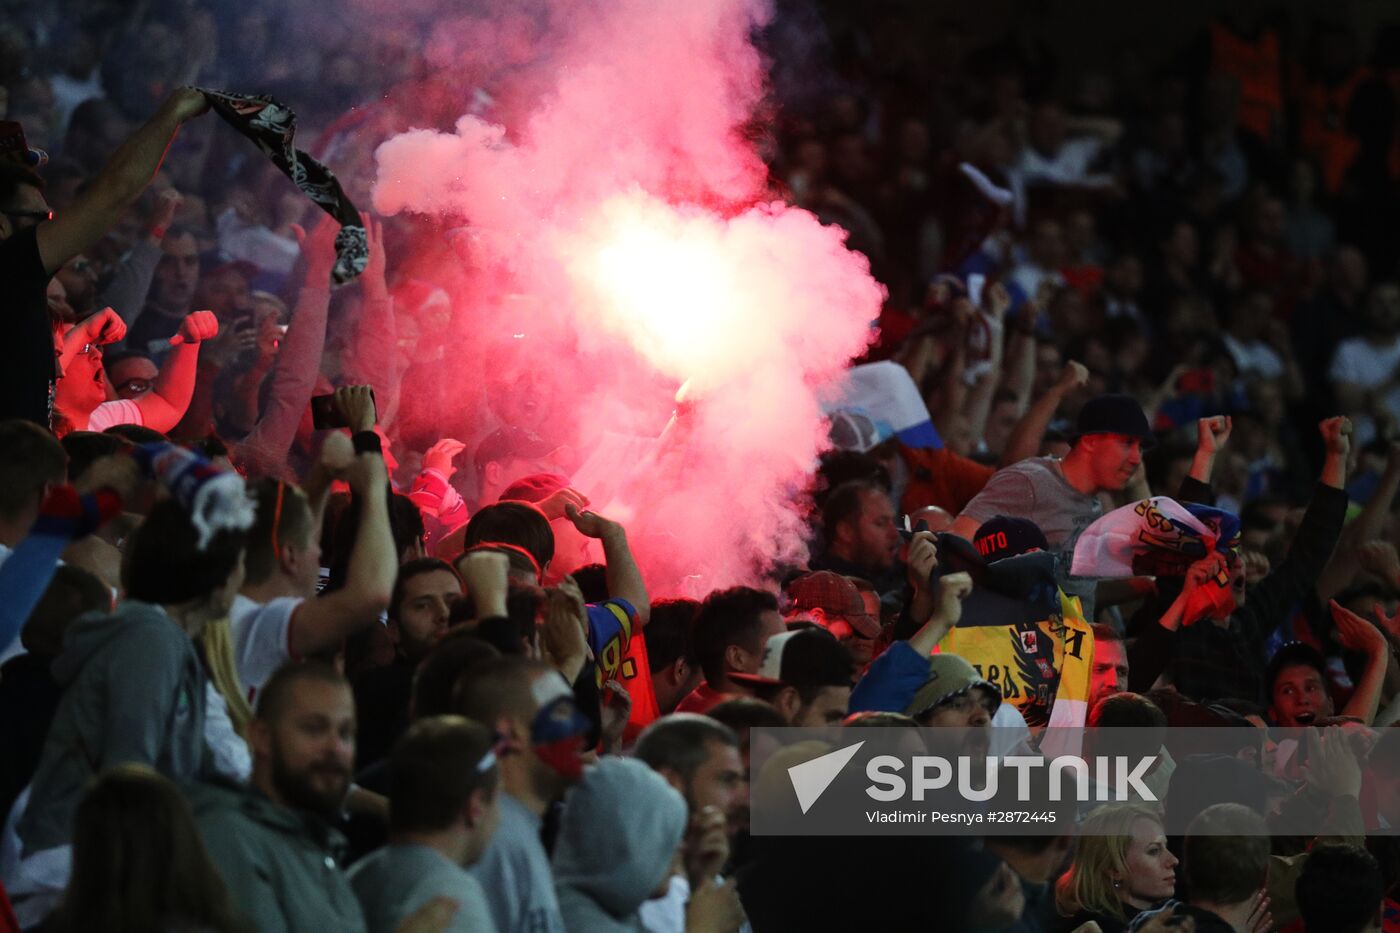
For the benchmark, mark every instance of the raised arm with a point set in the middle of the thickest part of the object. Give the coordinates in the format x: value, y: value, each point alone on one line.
x: 432, y: 489
x: 119, y: 184
x: 978, y: 404
x: 321, y: 624
x: 103, y: 328
x: 1020, y: 366
x: 1336, y: 435
x: 265, y: 448
x: 1352, y: 552
x: 896, y: 675
x: 373, y: 351
x: 166, y: 403
x: 1150, y: 652
x: 623, y: 575
x: 1359, y: 635
x: 131, y: 276
x: 337, y: 456
x: 1211, y: 436
x: 1030, y: 430
x: 1296, y: 577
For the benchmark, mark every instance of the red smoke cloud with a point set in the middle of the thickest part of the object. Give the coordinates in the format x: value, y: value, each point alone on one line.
x: 621, y: 223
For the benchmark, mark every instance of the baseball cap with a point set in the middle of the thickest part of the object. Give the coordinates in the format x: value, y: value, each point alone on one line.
x: 511, y: 443
x: 950, y: 676
x: 855, y: 430
x: 1004, y: 536
x: 1114, y: 414
x: 807, y: 657
x: 1294, y: 654
x: 534, y: 488
x: 835, y: 595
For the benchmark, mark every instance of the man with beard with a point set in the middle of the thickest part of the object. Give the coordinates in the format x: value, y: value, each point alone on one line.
x: 700, y: 758
x: 273, y: 842
x: 418, y: 612
x: 859, y: 536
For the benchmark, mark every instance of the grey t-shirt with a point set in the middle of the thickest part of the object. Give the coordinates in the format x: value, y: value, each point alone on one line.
x: 396, y: 881
x: 516, y: 875
x: 1036, y: 489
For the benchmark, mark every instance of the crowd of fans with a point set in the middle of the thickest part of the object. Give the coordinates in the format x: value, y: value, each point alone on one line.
x: 277, y: 664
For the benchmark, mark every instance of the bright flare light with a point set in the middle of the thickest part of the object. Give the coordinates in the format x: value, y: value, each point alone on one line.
x: 717, y: 300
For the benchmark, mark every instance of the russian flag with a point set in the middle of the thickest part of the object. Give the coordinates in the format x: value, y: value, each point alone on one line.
x: 877, y: 401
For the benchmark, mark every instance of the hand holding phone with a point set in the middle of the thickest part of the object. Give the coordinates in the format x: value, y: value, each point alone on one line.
x: 350, y: 407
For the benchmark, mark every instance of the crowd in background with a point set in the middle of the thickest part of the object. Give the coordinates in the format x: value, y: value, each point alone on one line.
x: 271, y: 663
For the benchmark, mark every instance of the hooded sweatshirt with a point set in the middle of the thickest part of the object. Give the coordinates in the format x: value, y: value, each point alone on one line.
x: 617, y: 837
x: 133, y: 691
x: 281, y: 866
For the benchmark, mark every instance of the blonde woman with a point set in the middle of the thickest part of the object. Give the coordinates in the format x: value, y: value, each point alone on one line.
x: 1121, y: 867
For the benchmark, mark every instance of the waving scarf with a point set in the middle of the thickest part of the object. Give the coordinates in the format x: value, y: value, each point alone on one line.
x: 1161, y: 537
x: 272, y: 127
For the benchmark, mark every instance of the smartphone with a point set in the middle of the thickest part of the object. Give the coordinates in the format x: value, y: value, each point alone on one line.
x: 325, y: 416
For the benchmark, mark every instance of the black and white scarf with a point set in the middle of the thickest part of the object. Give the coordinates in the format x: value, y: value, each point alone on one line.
x: 271, y: 127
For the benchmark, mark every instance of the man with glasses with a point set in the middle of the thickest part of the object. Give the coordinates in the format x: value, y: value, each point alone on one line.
x: 132, y: 374
x: 35, y: 244
x: 82, y: 400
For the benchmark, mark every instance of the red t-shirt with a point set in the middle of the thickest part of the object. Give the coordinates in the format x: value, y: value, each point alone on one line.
x: 702, y: 699
x: 941, y: 478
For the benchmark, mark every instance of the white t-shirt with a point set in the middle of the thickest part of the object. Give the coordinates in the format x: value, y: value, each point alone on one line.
x: 1028, y: 277
x: 261, y: 635
x: 119, y: 411
x: 1070, y: 166
x: 230, y: 751
x: 667, y: 914
x: 1256, y: 358
x: 1360, y: 363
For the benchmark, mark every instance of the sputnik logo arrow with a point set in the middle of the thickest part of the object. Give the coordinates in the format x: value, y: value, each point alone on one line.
x: 811, y: 778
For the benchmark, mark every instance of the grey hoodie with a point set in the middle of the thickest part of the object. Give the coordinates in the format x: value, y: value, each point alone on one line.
x: 133, y: 691
x: 281, y: 866
x: 617, y: 836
